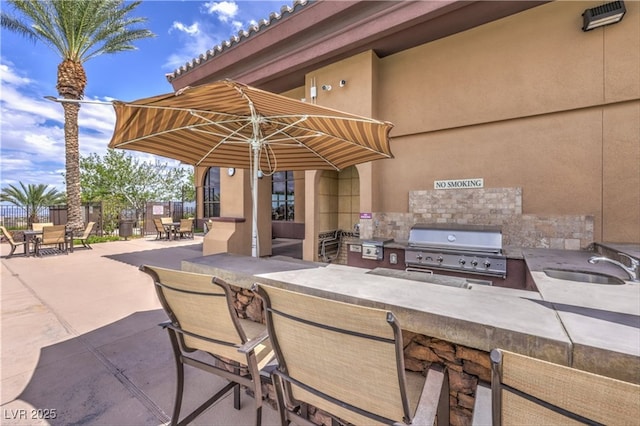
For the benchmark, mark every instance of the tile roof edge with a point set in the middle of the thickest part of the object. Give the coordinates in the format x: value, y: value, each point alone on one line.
x: 243, y: 34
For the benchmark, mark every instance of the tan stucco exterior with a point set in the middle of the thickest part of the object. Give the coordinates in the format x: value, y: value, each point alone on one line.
x: 528, y: 101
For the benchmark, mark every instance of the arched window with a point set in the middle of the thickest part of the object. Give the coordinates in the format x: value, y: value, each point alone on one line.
x: 212, y: 192
x: 282, y: 196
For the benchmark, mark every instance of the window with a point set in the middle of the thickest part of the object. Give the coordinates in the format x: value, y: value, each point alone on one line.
x: 212, y: 192
x: 282, y: 185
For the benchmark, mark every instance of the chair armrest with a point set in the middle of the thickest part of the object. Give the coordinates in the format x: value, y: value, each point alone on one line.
x: 250, y: 346
x: 434, y: 401
x: 165, y: 324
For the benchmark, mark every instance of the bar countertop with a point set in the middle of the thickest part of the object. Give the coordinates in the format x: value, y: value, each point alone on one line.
x: 596, y: 328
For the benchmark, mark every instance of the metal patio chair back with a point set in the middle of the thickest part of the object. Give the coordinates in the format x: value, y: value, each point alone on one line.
x: 202, y: 320
x: 160, y: 229
x: 527, y: 390
x: 38, y: 226
x: 347, y: 361
x: 55, y: 235
x: 186, y: 228
x: 85, y: 235
x: 14, y: 244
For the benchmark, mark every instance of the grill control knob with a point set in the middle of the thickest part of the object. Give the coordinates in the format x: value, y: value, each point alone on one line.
x: 487, y: 263
x: 440, y: 259
x: 418, y: 256
x: 474, y: 262
x: 462, y: 261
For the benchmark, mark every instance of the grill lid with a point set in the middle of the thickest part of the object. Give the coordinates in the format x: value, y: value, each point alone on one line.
x: 457, y: 237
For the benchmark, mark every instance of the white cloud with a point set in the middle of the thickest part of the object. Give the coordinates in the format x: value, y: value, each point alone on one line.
x: 7, y: 75
x: 237, y: 26
x: 225, y: 10
x: 32, y: 132
x: 192, y: 48
x: 191, y: 30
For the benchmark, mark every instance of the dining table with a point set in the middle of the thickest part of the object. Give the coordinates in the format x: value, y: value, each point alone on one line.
x: 30, y: 236
x: 171, y: 228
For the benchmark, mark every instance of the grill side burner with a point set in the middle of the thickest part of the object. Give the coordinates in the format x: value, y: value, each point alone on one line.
x: 462, y: 248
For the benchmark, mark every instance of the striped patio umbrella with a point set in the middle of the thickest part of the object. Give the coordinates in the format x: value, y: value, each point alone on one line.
x: 229, y: 124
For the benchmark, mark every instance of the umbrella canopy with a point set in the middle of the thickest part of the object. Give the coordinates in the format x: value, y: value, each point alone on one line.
x: 229, y: 124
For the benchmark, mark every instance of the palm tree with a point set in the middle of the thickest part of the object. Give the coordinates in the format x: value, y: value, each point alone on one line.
x: 32, y: 198
x: 78, y: 30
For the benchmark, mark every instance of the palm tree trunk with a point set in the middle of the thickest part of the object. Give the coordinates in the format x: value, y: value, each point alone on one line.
x: 72, y: 149
x: 71, y: 83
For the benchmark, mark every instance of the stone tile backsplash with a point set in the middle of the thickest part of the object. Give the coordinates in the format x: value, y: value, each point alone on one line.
x: 488, y: 206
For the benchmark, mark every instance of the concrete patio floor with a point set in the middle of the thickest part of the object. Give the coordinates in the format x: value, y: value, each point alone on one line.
x: 80, y: 342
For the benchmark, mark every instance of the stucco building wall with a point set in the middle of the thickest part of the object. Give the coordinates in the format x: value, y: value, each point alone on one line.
x: 528, y: 101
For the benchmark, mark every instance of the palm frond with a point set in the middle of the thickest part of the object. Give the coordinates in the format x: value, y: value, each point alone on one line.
x: 80, y: 29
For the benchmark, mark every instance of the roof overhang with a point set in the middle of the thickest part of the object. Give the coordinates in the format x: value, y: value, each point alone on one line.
x: 278, y: 56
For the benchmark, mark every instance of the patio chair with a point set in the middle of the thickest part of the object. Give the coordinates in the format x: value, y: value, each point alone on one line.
x: 166, y: 220
x: 14, y: 244
x: 39, y: 225
x: 208, y: 225
x: 160, y: 229
x: 203, y: 321
x: 186, y: 228
x: 346, y: 360
x: 55, y: 235
x: 85, y: 235
x: 527, y: 390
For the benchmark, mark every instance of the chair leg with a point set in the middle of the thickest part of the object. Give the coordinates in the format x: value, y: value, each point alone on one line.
x: 236, y: 397
x: 259, y: 416
x: 282, y: 408
x: 236, y: 391
x: 179, y: 389
x: 179, y: 378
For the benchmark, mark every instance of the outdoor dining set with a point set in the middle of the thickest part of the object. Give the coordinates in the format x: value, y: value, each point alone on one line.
x: 169, y: 229
x: 45, y: 237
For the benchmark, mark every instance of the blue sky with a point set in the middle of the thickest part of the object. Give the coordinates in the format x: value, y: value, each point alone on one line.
x: 31, y: 128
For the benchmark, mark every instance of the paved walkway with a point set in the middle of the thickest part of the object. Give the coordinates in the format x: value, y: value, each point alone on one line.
x: 80, y: 342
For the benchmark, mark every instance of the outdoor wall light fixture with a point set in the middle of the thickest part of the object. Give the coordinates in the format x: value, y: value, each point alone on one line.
x: 607, y: 14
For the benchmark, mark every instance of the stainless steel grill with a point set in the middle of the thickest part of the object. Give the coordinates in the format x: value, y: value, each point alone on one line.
x: 463, y: 248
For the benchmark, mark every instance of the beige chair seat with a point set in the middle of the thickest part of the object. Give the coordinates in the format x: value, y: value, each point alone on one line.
x: 527, y: 390
x: 14, y: 244
x: 347, y: 360
x: 161, y: 231
x: 186, y: 228
x: 39, y: 225
x: 85, y: 235
x: 204, y: 321
x: 55, y: 236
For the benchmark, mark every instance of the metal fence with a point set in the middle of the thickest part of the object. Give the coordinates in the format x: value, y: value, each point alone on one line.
x: 14, y: 217
x: 107, y: 218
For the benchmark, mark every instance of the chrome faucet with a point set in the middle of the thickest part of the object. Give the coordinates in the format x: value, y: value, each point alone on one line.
x: 631, y: 270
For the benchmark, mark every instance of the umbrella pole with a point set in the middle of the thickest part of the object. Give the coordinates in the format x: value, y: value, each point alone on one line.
x: 255, y: 147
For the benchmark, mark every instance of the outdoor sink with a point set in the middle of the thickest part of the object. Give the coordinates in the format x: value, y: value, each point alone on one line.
x: 583, y: 276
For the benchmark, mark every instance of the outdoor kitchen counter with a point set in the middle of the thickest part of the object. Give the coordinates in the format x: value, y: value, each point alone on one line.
x: 603, y: 321
x: 483, y: 319
x: 590, y: 326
